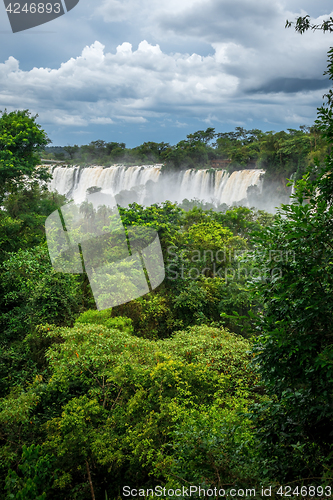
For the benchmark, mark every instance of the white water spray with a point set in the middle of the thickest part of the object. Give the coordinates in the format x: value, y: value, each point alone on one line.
x: 211, y: 186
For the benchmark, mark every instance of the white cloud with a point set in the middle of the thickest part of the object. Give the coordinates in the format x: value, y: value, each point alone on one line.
x: 61, y: 118
x: 129, y: 84
x: 253, y: 69
x: 132, y: 119
x: 102, y: 120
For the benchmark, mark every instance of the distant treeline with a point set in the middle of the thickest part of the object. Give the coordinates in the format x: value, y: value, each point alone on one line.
x: 279, y: 153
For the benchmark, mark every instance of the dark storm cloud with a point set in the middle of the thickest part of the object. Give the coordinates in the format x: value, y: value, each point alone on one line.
x: 123, y: 67
x: 229, y: 20
x: 291, y: 85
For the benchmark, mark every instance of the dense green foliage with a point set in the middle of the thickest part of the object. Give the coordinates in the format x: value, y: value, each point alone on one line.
x: 221, y: 377
x: 124, y: 400
x: 157, y: 391
x: 294, y: 351
x: 94, y: 400
x: 21, y: 141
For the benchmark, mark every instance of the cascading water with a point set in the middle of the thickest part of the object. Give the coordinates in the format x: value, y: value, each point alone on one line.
x: 235, y: 189
x: 293, y: 179
x: 73, y: 182
x: 215, y: 186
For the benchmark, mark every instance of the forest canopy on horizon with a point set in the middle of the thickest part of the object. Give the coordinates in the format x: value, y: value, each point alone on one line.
x: 281, y: 154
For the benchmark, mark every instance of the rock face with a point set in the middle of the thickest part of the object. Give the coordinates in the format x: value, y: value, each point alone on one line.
x: 220, y: 163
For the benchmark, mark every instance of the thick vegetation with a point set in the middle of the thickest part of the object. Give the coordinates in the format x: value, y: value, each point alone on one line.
x: 222, y: 377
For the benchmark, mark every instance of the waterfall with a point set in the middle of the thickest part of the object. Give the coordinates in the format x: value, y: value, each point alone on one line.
x: 196, y: 184
x: 215, y: 186
x: 292, y: 192
x: 235, y: 189
x: 63, y: 179
x: 73, y: 182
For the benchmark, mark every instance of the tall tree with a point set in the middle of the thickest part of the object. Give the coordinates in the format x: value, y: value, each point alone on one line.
x: 294, y: 352
x: 21, y: 142
x: 71, y: 150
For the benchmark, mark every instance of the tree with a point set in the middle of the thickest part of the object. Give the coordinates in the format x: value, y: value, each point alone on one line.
x: 71, y: 150
x: 22, y: 218
x: 204, y: 136
x: 31, y: 292
x: 192, y: 152
x: 294, y: 353
x: 127, y: 406
x: 325, y: 114
x: 151, y: 151
x: 21, y: 142
x: 35, y: 475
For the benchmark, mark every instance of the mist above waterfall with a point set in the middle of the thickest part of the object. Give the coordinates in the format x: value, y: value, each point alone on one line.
x: 149, y: 184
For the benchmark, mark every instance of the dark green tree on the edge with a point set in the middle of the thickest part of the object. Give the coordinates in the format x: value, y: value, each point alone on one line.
x: 294, y: 352
x: 21, y: 142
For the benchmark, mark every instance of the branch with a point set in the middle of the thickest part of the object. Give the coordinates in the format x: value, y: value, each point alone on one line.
x: 94, y: 376
x: 114, y: 403
x: 90, y: 481
x: 303, y: 24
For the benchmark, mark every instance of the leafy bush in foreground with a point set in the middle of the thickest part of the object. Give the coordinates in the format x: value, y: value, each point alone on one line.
x: 120, y: 409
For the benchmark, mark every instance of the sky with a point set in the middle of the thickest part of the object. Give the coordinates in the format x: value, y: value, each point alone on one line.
x: 135, y: 71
